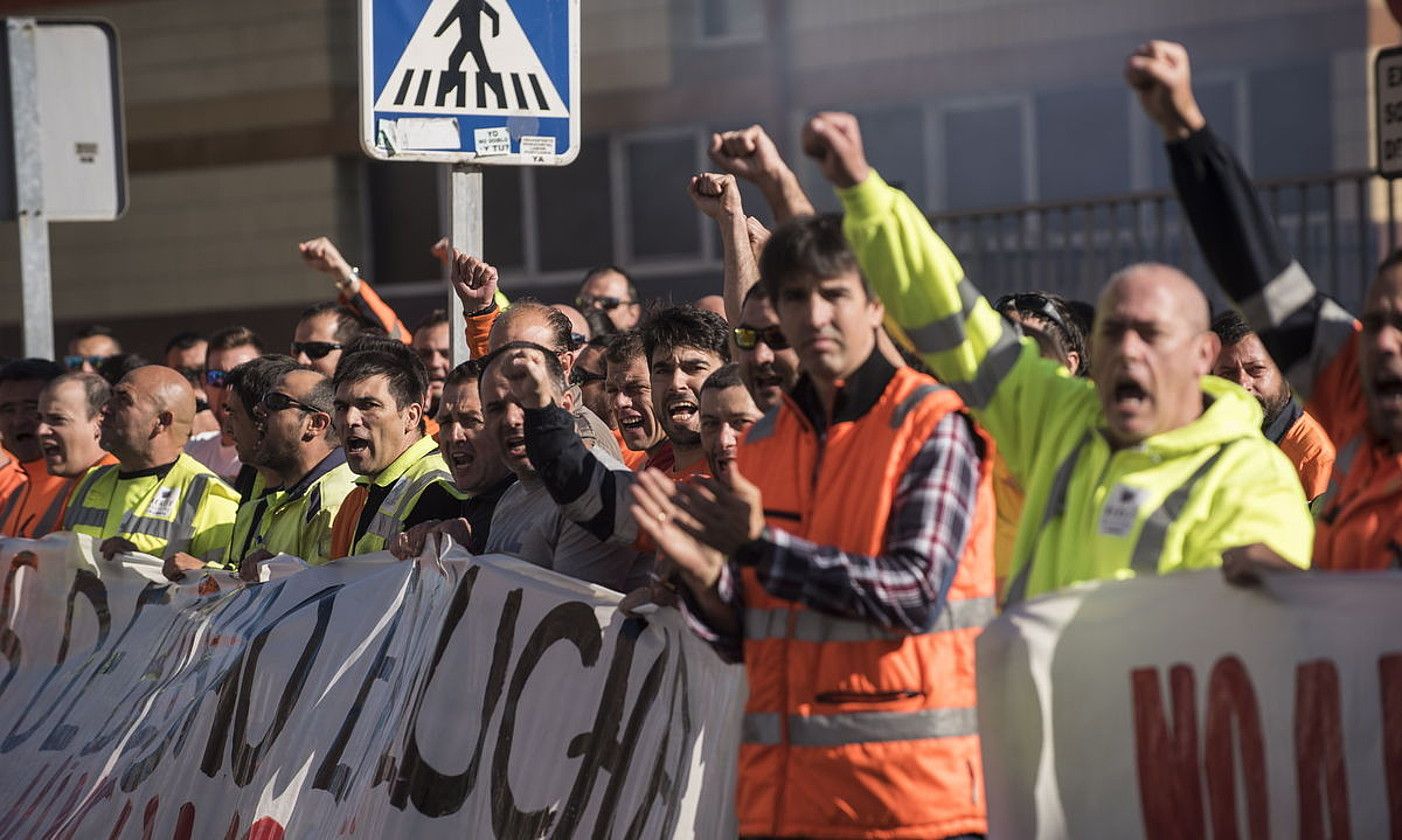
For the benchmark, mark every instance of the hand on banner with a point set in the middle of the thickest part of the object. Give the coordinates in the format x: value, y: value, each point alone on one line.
x: 1244, y: 565
x: 727, y: 514
x: 834, y: 140
x: 475, y: 282
x: 672, y: 530
x: 112, y: 546
x: 1160, y: 74
x: 248, y: 566
x: 321, y: 254
x: 529, y: 378
x: 717, y: 196
x: 748, y: 153
x: 759, y: 235
x: 410, y: 544
x: 177, y: 564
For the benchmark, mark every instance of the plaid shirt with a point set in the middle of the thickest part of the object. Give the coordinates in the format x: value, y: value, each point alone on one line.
x: 904, y: 587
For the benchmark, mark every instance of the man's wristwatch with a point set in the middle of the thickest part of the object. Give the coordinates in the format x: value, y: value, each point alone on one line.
x: 486, y: 310
x: 350, y: 282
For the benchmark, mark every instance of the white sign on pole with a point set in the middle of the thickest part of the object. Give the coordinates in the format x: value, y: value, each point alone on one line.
x: 1387, y: 97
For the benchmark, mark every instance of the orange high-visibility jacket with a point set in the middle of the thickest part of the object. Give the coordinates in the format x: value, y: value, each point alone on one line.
x: 851, y: 729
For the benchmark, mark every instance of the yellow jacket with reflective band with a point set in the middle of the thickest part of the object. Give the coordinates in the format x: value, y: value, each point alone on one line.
x: 853, y: 729
x: 1176, y: 501
x: 295, y: 521
x: 189, y: 509
x: 417, y: 469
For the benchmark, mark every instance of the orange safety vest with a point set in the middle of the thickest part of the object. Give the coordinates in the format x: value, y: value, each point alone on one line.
x: 37, y: 510
x: 1358, y: 521
x: 853, y: 730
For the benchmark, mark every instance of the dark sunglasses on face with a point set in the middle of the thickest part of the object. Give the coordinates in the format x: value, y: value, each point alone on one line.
x: 314, y: 349
x: 75, y: 362
x: 580, y: 376
x: 278, y: 401
x: 608, y: 304
x: 747, y: 338
x: 215, y: 378
x: 1031, y: 303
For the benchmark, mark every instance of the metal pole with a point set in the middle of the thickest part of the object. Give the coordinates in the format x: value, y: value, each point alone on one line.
x: 465, y: 234
x: 37, y: 307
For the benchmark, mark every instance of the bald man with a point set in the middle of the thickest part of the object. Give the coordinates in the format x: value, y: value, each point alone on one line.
x: 578, y: 326
x: 1153, y: 467
x: 156, y: 499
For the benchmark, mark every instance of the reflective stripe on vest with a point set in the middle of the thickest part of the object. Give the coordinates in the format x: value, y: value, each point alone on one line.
x: 13, y: 502
x: 49, y: 520
x: 1343, y: 461
x: 766, y: 728
x: 1056, y: 505
x: 944, y: 334
x: 86, y: 516
x: 811, y: 626
x: 389, y: 519
x: 997, y: 363
x: 1149, y: 547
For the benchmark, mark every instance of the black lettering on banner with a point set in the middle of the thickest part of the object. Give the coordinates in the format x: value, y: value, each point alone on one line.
x: 617, y: 756
x: 88, y: 585
x: 573, y: 622
x: 62, y: 733
x: 234, y: 693
x: 437, y: 794
x: 661, y: 784
x: 10, y: 646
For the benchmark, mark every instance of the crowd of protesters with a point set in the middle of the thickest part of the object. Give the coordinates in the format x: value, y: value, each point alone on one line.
x: 838, y: 468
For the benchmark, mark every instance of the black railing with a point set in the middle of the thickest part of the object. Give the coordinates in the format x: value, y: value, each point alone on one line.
x: 1336, y: 227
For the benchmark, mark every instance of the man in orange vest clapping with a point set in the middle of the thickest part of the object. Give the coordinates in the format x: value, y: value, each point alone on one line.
x: 849, y: 562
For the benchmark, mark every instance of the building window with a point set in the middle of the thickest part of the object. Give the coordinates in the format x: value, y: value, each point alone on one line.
x: 1083, y: 142
x: 574, y: 211
x: 1292, y: 130
x: 984, y: 165
x: 729, y: 21
x: 661, y: 220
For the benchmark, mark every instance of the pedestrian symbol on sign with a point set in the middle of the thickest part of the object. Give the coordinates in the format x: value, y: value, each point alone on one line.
x: 506, y: 76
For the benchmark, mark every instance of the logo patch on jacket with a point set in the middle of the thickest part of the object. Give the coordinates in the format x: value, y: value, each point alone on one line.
x: 1121, y: 510
x: 163, y: 505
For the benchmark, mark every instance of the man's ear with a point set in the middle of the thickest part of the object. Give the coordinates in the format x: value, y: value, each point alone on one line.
x: 164, y: 420
x: 413, y: 416
x: 1209, y: 348
x: 566, y: 400
x: 320, y: 423
x: 877, y: 309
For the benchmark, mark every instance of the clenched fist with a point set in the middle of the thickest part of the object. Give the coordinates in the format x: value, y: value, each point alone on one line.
x: 474, y: 281
x: 718, y: 196
x: 1159, y: 73
x: 747, y: 153
x: 833, y: 139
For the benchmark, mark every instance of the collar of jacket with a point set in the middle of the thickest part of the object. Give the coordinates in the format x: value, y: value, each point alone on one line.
x: 1276, y: 429
x: 336, y: 458
x: 421, y: 448
x: 855, y: 396
x: 1231, y: 414
x: 159, y: 472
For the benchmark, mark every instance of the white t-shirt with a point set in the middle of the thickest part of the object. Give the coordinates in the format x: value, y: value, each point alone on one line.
x: 222, y: 460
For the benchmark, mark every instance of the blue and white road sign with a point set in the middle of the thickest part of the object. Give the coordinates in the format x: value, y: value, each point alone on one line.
x: 481, y: 81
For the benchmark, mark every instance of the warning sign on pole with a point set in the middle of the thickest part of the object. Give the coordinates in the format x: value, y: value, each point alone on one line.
x: 1387, y: 96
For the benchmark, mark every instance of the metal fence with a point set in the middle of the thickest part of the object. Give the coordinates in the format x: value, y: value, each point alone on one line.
x: 1338, y: 225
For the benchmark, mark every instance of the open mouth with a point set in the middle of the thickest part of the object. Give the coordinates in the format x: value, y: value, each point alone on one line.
x: 681, y: 411
x: 516, y: 446
x: 631, y: 421
x: 50, y: 448
x: 357, y: 446
x: 1387, y: 387
x: 461, y: 459
x: 1129, y: 394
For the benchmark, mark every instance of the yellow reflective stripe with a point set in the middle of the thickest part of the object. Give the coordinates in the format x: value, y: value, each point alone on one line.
x: 993, y: 368
x: 811, y: 626
x: 389, y: 519
x: 947, y: 333
x: 1149, y: 547
x: 85, y: 516
x: 765, y: 728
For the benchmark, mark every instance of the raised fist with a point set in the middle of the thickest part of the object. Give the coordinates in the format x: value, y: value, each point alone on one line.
x: 525, y: 370
x: 322, y: 255
x: 833, y: 139
x: 474, y: 281
x: 747, y: 153
x: 718, y: 196
x: 1159, y: 73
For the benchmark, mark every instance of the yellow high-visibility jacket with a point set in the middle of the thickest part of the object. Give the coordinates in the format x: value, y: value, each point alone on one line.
x: 1176, y: 501
x: 296, y: 520
x: 186, y: 508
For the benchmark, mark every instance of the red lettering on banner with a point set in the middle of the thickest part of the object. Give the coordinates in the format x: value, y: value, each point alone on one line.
x: 184, y: 822
x: 233, y: 832
x: 1390, y: 685
x: 1170, y: 793
x: 1234, y: 723
x: 265, y: 828
x: 121, y: 822
x: 148, y: 819
x: 1319, y: 752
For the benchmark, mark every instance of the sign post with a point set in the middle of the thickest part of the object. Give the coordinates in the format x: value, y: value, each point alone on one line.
x: 515, y: 103
x: 1387, y: 97
x: 37, y: 305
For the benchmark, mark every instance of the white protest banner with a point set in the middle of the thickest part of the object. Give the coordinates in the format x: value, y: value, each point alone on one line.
x: 1181, y: 707
x: 449, y: 697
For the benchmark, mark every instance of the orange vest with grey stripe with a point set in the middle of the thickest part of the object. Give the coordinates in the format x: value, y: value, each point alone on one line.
x: 852, y: 730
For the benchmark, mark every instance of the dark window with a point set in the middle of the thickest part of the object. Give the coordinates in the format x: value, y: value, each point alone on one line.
x: 663, y: 221
x: 503, y: 243
x: 404, y: 222
x: 1082, y: 143
x: 574, y: 220
x: 1291, y: 123
x: 983, y: 157
x: 724, y: 19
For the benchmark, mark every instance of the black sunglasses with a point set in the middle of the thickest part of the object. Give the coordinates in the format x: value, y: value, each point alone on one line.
x: 278, y: 401
x: 314, y: 349
x: 608, y: 304
x: 580, y: 376
x: 1031, y: 303
x: 747, y: 338
x: 75, y: 362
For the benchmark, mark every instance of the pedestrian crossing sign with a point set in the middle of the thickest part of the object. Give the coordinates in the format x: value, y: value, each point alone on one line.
x: 480, y: 81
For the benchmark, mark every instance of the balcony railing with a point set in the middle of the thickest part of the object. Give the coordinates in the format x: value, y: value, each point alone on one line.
x: 1338, y: 225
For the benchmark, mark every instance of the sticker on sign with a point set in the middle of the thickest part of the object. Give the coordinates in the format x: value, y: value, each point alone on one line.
x: 1387, y: 91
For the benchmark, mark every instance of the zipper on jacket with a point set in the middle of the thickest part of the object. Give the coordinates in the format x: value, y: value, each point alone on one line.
x: 866, y: 696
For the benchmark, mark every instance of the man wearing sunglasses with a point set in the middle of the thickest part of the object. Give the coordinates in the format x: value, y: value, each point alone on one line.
x: 89, y: 347
x: 610, y: 290
x: 308, y: 475
x: 228, y: 349
x: 322, y: 331
x: 768, y: 365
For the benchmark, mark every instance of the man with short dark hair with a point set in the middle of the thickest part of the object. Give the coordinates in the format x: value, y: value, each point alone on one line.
x: 403, y: 480
x: 89, y: 346
x: 227, y: 349
x: 683, y: 345
x: 1048, y: 320
x: 727, y: 412
x: 628, y: 388
x: 610, y: 290
x: 22, y: 382
x: 322, y: 331
x: 768, y: 364
x: 433, y: 345
x: 526, y: 406
x: 1243, y: 359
